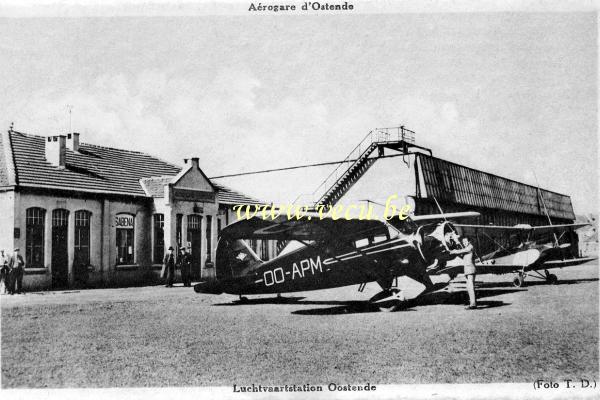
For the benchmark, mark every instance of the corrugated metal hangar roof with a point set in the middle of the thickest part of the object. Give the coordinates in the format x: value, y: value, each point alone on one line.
x: 447, y: 181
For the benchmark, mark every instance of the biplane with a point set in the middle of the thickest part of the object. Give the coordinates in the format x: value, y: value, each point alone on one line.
x: 333, y: 253
x: 525, y: 251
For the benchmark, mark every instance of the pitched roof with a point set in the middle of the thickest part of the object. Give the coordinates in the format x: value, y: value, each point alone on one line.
x: 154, y: 187
x: 226, y: 195
x: 7, y: 176
x: 93, y: 169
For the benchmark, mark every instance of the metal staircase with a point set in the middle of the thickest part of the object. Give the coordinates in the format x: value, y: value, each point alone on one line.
x: 354, y: 166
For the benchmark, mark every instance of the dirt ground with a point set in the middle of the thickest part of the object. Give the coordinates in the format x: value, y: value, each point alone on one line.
x: 156, y: 336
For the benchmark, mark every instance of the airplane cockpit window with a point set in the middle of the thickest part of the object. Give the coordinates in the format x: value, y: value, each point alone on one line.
x: 380, y: 238
x: 514, y: 240
x: 361, y: 243
x: 406, y: 226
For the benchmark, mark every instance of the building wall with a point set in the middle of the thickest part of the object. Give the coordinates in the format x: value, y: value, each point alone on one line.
x: 104, y: 270
x: 187, y: 208
x: 103, y: 252
x: 7, y: 221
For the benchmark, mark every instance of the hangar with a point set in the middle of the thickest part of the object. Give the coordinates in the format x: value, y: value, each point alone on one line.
x: 374, y: 168
x: 88, y: 215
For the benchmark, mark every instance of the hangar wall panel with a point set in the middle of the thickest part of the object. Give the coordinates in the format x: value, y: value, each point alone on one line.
x: 455, y: 183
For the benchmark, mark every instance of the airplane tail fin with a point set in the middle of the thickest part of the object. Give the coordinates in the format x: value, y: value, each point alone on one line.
x: 234, y: 258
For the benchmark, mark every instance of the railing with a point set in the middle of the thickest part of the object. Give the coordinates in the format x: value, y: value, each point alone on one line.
x: 394, y: 134
x: 378, y: 136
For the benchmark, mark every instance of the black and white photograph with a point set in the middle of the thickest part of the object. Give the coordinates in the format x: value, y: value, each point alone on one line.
x: 299, y: 199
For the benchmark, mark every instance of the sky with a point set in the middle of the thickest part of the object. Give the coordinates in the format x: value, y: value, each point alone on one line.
x: 511, y: 93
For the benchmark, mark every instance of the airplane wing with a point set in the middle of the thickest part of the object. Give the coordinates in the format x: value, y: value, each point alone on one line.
x: 567, y: 263
x: 305, y: 229
x: 456, y: 267
x: 316, y: 227
x: 524, y: 227
x: 443, y: 217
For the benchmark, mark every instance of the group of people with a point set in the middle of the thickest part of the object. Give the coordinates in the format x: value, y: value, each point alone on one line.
x: 11, y: 272
x: 172, y: 261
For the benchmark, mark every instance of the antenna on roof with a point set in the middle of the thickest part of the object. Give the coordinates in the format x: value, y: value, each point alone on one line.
x: 70, y: 108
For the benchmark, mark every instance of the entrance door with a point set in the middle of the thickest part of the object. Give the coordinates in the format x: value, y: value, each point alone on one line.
x: 194, y: 236
x: 60, y: 258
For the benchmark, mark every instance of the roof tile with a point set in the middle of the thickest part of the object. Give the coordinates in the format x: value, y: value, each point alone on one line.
x: 97, y: 169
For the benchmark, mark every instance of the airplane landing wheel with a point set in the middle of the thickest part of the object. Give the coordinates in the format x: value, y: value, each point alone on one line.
x: 393, y: 306
x: 389, y: 300
x: 552, y: 279
x: 279, y: 298
x: 243, y: 299
x: 519, y: 281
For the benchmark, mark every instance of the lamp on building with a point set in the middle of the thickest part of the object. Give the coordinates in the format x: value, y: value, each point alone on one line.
x: 198, y: 209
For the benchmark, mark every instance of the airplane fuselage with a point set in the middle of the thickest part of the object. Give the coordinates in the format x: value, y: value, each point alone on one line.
x: 312, y: 268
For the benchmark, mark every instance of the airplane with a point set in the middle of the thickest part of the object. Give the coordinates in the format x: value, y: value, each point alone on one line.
x: 530, y: 251
x: 333, y: 253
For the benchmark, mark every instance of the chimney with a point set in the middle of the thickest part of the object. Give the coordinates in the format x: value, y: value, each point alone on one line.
x: 195, y: 162
x: 73, y: 141
x: 56, y: 150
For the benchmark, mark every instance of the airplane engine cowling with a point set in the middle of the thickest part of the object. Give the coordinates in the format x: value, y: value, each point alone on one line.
x: 436, y: 243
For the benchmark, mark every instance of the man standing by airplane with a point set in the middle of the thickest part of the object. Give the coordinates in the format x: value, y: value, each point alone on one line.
x: 469, y: 269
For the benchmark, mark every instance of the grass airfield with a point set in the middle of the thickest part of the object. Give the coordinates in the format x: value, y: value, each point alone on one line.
x: 156, y: 336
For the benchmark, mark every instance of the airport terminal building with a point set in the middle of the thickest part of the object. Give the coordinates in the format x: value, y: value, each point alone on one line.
x: 88, y: 216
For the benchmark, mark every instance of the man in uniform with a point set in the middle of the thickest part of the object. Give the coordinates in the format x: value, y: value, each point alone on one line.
x: 185, y: 264
x: 169, y: 266
x: 16, y: 265
x: 469, y: 269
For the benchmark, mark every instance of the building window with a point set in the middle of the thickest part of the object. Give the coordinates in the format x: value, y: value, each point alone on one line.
x: 194, y: 222
x: 253, y: 244
x: 82, y: 238
x: 34, y: 237
x: 208, y: 237
x: 125, y: 230
x: 179, y: 229
x: 264, y: 249
x: 159, y: 238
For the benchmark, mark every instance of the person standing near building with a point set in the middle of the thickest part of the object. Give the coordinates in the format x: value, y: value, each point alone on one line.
x: 469, y: 269
x: 169, y: 266
x: 4, y: 277
x: 16, y: 265
x: 185, y: 264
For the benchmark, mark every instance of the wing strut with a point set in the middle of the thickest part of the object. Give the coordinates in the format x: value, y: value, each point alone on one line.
x: 545, y: 209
